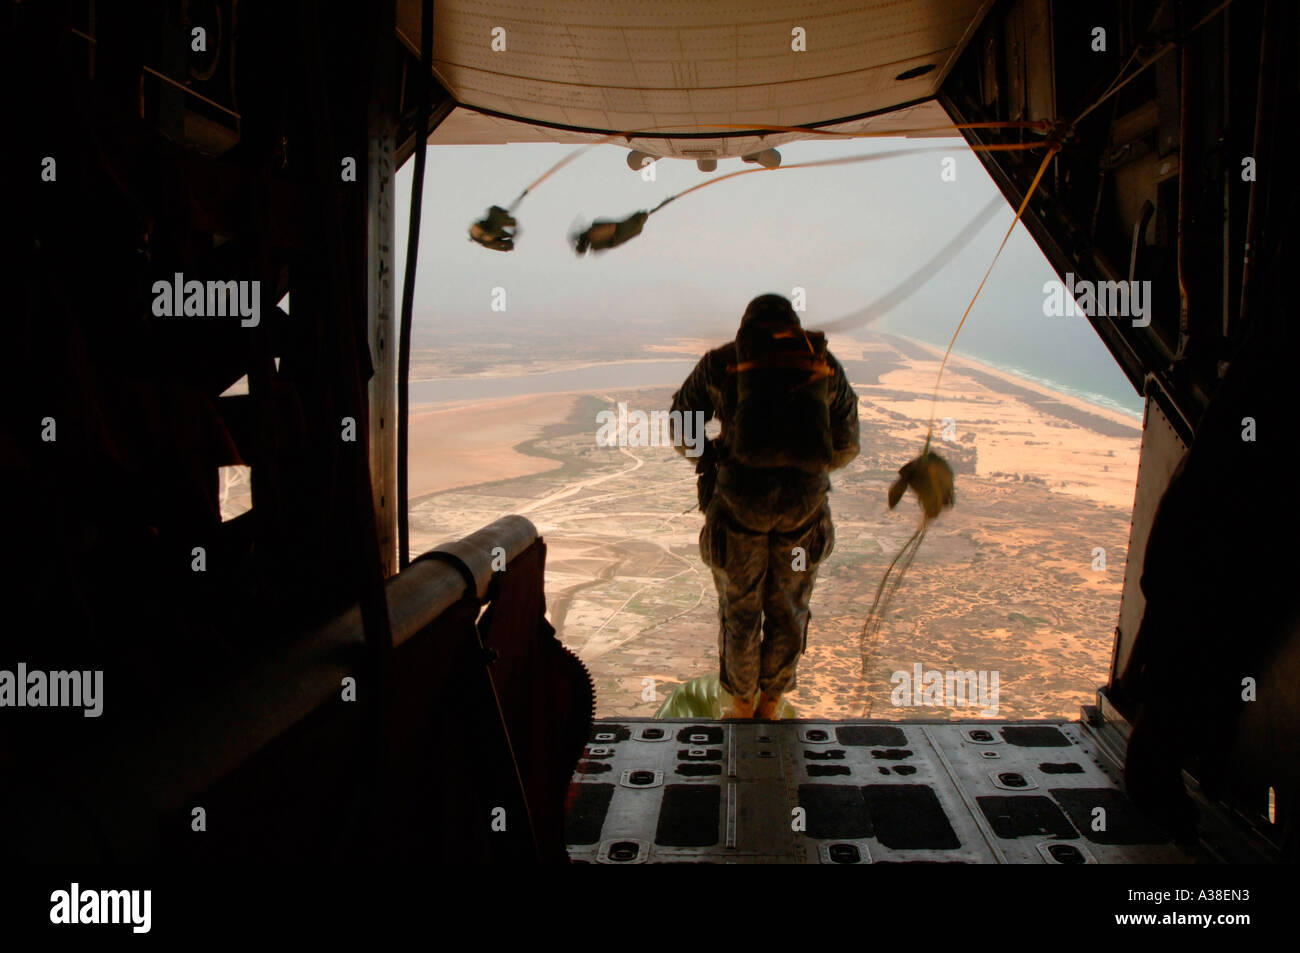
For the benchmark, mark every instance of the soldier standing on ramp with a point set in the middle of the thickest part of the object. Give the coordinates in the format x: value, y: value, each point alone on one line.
x: 788, y: 417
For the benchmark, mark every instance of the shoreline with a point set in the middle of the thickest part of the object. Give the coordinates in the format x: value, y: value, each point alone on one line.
x: 1078, y: 403
x: 557, y: 368
x: 470, y: 443
x: 1126, y: 418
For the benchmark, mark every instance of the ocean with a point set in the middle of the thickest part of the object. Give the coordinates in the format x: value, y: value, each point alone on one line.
x: 1121, y: 398
x: 1066, y: 356
x: 623, y: 375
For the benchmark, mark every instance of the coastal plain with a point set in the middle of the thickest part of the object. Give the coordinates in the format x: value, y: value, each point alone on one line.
x: 1021, y: 577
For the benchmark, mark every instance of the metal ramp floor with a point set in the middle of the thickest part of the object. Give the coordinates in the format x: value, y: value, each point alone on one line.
x: 807, y: 792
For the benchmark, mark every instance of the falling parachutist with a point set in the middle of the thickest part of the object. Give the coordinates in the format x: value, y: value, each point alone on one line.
x: 493, y: 231
x: 930, y: 477
x: 603, y: 234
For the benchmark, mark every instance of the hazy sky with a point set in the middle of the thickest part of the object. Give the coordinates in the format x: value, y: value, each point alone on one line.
x: 846, y: 234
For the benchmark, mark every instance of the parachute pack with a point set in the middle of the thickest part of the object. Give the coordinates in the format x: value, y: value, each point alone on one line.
x: 782, y: 416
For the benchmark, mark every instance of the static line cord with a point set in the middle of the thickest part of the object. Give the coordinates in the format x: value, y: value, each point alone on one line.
x: 1039, y: 124
x: 847, y: 160
x: 868, y: 631
x: 1117, y: 85
x: 871, y: 628
x: 1052, y: 149
x: 560, y: 165
x: 887, y: 586
x: 1055, y: 146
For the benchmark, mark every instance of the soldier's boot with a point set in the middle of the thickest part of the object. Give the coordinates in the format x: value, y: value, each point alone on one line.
x: 739, y: 708
x: 767, y: 705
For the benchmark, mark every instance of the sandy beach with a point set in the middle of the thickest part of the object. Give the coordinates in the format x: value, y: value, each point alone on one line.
x: 958, y: 360
x: 472, y: 443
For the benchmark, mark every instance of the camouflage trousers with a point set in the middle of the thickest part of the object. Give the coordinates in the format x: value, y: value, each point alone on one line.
x: 764, y: 576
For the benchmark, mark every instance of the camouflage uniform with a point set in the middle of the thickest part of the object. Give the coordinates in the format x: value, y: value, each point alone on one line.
x: 754, y: 518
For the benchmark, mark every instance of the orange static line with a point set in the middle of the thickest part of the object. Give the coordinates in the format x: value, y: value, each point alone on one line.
x: 1042, y: 124
x: 1053, y: 148
x: 1035, y: 124
x: 1011, y: 147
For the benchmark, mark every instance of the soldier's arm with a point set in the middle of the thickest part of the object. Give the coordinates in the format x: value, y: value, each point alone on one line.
x: 691, y: 397
x: 844, y: 416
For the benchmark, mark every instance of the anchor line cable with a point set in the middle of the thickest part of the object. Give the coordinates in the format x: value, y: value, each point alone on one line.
x: 871, y: 627
x: 1054, y: 146
x: 408, y: 293
x: 1116, y: 85
x: 1112, y: 87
